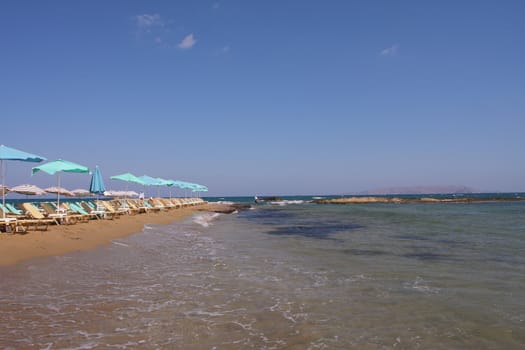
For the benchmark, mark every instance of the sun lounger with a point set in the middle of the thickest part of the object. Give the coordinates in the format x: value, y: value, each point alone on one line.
x: 99, y: 212
x: 157, y: 204
x: 176, y: 202
x: 13, y: 209
x: 110, y: 208
x: 167, y: 203
x: 137, y: 205
x: 60, y: 215
x: 33, y: 212
x: 8, y: 224
x: 151, y: 207
x: 79, y: 212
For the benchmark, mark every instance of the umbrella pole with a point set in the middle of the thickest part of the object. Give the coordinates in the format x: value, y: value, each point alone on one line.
x: 3, y: 189
x: 58, y: 194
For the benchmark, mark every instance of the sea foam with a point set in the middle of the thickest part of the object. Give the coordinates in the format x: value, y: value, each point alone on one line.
x: 205, y: 219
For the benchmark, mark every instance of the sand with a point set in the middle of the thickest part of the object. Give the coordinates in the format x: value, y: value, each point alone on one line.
x: 62, y: 239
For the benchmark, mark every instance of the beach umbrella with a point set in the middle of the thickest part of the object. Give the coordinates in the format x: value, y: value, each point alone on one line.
x: 163, y: 182
x: 80, y: 192
x: 5, y: 189
x: 59, y: 190
x: 59, y: 166
x: 169, y: 184
x: 151, y: 181
x: 8, y: 153
x: 97, y: 183
x: 128, y: 177
x: 112, y: 193
x: 28, y: 190
x: 130, y: 194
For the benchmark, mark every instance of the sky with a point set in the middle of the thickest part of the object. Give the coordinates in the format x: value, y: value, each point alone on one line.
x: 268, y: 97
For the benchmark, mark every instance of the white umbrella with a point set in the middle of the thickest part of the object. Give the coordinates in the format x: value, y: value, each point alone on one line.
x: 28, y: 190
x: 59, y: 190
x: 4, y: 189
x: 79, y: 192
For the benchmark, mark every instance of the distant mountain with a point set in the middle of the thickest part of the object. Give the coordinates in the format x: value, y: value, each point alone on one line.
x: 420, y: 190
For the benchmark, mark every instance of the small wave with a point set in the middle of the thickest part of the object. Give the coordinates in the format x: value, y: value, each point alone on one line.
x: 419, y: 285
x: 118, y: 243
x: 287, y: 202
x: 205, y: 219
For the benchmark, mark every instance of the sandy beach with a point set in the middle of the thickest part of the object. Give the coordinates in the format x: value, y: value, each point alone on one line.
x: 62, y: 239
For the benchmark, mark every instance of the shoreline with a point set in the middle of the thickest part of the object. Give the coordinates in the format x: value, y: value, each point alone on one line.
x: 63, y: 239
x: 398, y: 200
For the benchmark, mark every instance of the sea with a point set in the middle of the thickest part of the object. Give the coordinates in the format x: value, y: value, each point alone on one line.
x: 288, y: 274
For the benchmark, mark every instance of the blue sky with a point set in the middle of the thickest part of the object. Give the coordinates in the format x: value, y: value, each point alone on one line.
x: 268, y: 97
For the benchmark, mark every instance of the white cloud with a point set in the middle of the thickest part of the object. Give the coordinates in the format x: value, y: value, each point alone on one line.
x: 188, y: 42
x: 146, y: 21
x: 390, y: 51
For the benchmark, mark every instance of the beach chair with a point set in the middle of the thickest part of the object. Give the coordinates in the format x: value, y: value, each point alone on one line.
x: 79, y: 212
x: 60, y: 215
x: 176, y: 202
x: 13, y: 209
x: 4, y: 209
x: 33, y: 212
x: 107, y: 206
x: 150, y: 206
x: 121, y: 207
x: 167, y: 203
x: 137, y: 206
x: 99, y: 212
x: 157, y: 204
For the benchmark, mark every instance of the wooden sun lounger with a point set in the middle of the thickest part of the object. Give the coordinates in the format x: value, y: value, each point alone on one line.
x: 61, y: 217
x: 110, y: 208
x: 167, y: 203
x: 134, y: 204
x: 99, y: 212
x: 157, y: 204
x: 35, y: 214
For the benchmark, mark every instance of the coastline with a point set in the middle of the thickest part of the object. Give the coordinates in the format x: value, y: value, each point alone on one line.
x: 398, y: 200
x: 59, y: 240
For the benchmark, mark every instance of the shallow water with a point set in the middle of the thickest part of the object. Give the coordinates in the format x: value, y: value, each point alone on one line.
x: 414, y: 276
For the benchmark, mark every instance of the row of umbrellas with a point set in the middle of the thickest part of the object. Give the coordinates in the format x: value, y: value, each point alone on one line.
x: 96, y: 185
x: 32, y: 190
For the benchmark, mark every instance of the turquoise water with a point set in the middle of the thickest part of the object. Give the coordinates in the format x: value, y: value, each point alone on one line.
x: 297, y: 276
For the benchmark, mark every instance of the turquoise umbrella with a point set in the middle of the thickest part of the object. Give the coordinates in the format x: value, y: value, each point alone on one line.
x: 151, y: 181
x: 7, y: 153
x: 128, y: 177
x: 58, y: 166
x: 97, y: 183
x: 168, y: 183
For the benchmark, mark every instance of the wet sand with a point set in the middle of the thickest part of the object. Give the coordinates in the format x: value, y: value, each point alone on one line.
x: 62, y: 239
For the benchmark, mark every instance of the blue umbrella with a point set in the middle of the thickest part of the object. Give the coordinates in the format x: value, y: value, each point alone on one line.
x: 97, y: 183
x: 7, y: 153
